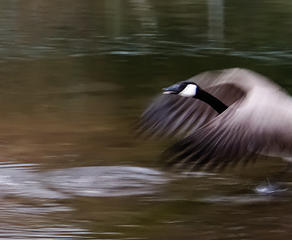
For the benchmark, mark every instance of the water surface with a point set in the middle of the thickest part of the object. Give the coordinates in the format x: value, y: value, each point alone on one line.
x: 75, y: 76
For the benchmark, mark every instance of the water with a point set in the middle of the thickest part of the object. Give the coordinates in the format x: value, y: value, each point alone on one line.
x: 75, y: 76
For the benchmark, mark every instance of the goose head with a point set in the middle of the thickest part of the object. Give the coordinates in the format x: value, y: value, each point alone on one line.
x: 184, y: 89
x: 192, y: 90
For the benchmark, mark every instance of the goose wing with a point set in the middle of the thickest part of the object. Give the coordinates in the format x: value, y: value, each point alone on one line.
x: 235, y: 135
x: 225, y: 139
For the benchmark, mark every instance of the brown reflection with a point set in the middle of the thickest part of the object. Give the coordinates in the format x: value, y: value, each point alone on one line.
x: 53, y: 113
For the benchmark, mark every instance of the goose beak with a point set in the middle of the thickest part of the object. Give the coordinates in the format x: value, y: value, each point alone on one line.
x: 173, y: 89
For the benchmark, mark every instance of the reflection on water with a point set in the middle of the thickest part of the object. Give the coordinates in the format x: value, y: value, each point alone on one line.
x: 75, y: 75
x: 194, y: 28
x: 216, y: 20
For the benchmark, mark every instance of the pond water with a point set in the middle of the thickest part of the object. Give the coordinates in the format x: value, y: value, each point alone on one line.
x: 76, y: 75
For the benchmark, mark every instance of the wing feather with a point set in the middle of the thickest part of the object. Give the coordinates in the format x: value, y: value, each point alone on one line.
x: 223, y: 141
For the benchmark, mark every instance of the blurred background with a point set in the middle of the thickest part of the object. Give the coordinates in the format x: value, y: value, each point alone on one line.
x: 76, y: 75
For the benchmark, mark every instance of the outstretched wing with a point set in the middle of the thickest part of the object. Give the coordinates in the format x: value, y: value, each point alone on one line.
x: 172, y: 115
x: 222, y: 141
x: 242, y: 131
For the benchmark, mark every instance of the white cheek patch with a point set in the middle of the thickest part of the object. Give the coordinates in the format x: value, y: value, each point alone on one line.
x: 189, y: 91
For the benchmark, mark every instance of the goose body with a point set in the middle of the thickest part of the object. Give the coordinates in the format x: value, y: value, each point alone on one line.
x: 256, y: 119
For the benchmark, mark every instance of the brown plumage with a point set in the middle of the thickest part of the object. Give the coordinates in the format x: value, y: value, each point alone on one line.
x: 258, y: 120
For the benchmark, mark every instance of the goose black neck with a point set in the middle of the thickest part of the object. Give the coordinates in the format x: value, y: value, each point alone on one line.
x: 211, y: 100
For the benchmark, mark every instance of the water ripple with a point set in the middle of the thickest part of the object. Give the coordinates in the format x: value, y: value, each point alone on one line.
x: 106, y: 181
x: 83, y: 181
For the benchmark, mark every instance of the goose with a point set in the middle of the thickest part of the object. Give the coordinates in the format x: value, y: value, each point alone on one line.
x: 220, y: 118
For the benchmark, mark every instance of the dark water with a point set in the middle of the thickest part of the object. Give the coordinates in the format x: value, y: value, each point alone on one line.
x: 75, y: 75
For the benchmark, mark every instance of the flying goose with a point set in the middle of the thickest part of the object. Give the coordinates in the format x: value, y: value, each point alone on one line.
x: 220, y: 118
